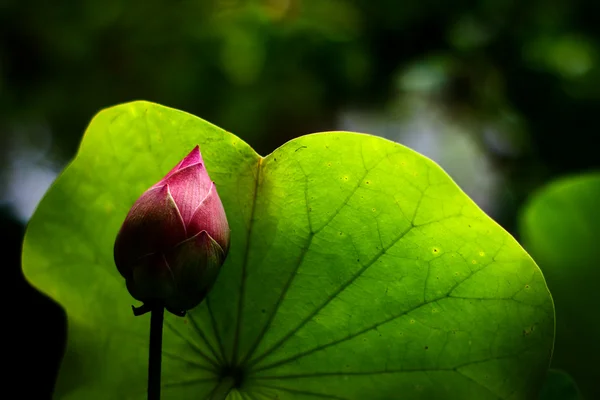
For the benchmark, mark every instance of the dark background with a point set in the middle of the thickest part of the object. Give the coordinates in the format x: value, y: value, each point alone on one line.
x: 504, y: 95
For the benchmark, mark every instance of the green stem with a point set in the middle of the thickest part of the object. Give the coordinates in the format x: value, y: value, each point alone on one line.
x: 154, y: 362
x: 223, y: 389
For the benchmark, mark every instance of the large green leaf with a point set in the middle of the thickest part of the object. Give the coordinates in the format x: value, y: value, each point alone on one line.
x: 560, y: 227
x: 357, y: 270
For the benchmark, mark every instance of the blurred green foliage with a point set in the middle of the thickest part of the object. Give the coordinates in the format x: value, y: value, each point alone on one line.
x: 560, y: 227
x: 270, y: 70
x: 559, y: 386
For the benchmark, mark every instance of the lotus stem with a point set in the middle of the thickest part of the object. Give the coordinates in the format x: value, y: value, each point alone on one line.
x: 155, y: 358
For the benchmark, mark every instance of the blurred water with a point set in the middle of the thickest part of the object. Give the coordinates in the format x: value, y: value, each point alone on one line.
x: 29, y: 169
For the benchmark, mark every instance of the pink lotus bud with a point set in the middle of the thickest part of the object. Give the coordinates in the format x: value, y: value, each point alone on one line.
x: 174, y: 239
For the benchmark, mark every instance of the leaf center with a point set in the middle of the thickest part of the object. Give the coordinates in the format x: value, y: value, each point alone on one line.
x: 235, y: 372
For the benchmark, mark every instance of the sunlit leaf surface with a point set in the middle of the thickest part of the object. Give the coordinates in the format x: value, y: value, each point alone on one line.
x: 357, y: 270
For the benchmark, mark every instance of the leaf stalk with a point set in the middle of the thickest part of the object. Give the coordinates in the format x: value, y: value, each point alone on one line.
x: 155, y: 358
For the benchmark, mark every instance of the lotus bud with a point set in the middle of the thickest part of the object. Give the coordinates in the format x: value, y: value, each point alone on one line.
x: 174, y: 239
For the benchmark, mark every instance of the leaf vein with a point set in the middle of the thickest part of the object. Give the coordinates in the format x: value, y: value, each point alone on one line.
x: 238, y: 325
x: 330, y: 298
x: 204, y: 338
x: 215, y: 329
x: 193, y: 345
x: 304, y: 392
